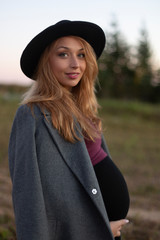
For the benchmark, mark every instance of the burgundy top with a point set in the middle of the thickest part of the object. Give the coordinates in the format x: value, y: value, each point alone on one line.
x: 95, y: 150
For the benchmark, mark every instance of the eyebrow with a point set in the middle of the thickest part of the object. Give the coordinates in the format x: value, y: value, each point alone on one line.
x: 69, y: 48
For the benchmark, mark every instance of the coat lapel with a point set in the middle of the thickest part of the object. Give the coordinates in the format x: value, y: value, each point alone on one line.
x: 77, y: 158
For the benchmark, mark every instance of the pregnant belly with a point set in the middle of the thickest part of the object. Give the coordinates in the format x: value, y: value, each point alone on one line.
x: 113, y: 188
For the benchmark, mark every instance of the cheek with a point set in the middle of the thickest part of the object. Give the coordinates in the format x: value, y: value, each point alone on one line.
x: 84, y: 66
x: 55, y: 66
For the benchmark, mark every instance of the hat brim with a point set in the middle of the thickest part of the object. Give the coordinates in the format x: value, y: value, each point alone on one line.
x: 90, y: 32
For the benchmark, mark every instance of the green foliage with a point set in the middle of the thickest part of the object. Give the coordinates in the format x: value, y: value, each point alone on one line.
x: 144, y: 51
x: 126, y: 71
x: 7, y: 229
x: 114, y: 73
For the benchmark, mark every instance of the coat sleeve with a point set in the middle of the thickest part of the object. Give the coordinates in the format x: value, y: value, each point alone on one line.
x: 27, y: 193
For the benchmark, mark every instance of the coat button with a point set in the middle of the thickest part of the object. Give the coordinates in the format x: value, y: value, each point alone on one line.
x: 94, y: 191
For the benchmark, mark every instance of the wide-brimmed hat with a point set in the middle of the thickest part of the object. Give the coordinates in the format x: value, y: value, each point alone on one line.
x: 90, y: 32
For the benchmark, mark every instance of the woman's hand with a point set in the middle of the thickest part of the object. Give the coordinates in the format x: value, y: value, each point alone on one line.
x: 116, y: 226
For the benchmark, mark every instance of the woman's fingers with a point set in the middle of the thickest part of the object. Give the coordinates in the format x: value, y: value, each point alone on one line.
x: 116, y: 226
x: 123, y: 221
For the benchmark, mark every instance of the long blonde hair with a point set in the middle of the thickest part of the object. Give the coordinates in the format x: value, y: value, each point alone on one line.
x: 68, y: 108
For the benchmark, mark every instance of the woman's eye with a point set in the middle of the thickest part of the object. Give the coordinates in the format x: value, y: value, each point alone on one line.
x: 63, y: 54
x: 81, y: 55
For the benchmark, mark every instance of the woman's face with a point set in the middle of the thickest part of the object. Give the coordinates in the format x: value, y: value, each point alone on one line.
x: 67, y: 61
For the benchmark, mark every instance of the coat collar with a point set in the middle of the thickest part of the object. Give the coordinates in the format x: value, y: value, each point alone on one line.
x: 77, y: 158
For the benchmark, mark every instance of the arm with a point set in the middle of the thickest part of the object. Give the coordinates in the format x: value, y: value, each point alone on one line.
x: 28, y: 201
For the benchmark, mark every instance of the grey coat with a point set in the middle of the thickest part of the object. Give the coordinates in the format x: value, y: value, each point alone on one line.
x: 56, y: 195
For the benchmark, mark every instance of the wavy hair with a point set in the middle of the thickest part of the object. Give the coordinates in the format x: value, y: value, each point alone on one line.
x: 68, y: 108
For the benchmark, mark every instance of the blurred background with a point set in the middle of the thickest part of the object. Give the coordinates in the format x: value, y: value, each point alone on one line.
x: 129, y: 93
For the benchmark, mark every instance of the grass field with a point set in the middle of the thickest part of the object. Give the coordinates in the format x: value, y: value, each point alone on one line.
x: 132, y: 131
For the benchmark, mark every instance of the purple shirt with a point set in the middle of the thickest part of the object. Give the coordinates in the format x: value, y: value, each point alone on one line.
x: 95, y: 150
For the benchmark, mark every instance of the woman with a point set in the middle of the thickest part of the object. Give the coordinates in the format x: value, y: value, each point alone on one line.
x: 65, y: 186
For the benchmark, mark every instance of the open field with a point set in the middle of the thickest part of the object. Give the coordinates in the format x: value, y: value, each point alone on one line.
x: 132, y: 131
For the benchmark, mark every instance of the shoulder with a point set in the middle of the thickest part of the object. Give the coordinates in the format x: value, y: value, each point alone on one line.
x: 26, y: 117
x: 27, y: 112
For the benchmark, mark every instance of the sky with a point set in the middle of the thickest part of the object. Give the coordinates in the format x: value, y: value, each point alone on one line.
x: 21, y: 20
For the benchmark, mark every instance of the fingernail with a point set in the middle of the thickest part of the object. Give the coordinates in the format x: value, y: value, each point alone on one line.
x: 127, y: 221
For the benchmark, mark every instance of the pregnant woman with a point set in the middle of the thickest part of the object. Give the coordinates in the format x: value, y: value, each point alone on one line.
x: 65, y: 185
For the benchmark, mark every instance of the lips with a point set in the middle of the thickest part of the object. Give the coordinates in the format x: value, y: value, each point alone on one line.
x: 72, y: 75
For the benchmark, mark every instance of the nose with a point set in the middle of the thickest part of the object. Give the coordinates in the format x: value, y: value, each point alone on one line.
x: 74, y: 63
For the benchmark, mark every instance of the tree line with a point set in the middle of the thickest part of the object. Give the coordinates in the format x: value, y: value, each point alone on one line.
x: 127, y: 71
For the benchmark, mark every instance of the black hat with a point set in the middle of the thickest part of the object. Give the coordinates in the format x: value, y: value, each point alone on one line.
x: 90, y: 32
